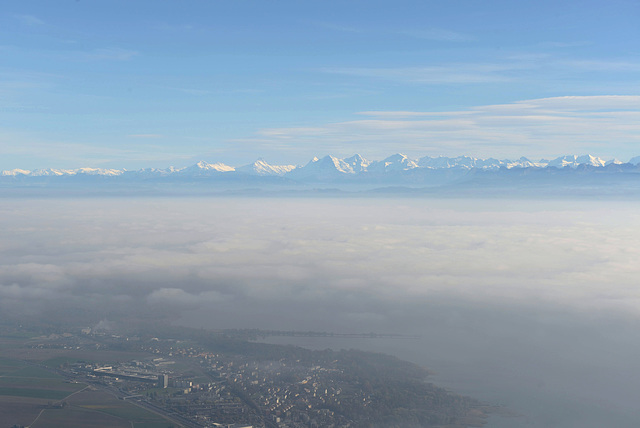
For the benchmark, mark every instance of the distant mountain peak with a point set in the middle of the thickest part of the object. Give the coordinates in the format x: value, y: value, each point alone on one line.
x: 331, y: 168
x: 261, y: 167
x: 573, y: 161
x: 204, y: 168
x: 357, y: 163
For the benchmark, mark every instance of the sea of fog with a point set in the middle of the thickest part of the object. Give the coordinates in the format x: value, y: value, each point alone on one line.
x: 532, y: 305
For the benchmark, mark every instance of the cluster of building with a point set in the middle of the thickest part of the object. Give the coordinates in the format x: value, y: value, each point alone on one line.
x: 231, y: 390
x: 207, y: 389
x: 275, y: 393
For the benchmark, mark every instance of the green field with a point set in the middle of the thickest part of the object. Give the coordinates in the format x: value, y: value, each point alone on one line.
x: 89, y: 408
x: 19, y: 410
x: 35, y: 388
x: 10, y: 363
x: 130, y: 412
x: 34, y: 372
x: 72, y: 417
x: 35, y: 382
x: 100, y: 402
x: 29, y: 391
x: 8, y: 366
x: 33, y: 393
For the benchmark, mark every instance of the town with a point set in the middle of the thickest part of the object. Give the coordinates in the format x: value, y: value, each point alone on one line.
x: 209, y: 379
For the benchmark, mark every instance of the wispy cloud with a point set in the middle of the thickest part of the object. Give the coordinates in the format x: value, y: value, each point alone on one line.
x: 192, y: 91
x: 339, y: 27
x: 34, y: 150
x: 25, y: 80
x: 562, y: 45
x: 409, y: 114
x: 145, y: 135
x: 608, y: 126
x: 526, y: 67
x: 97, y: 54
x: 432, y: 33
x: 438, y: 34
x: 165, y: 26
x: 110, y: 54
x: 29, y: 20
x: 597, y: 103
x: 603, y: 65
x: 454, y: 73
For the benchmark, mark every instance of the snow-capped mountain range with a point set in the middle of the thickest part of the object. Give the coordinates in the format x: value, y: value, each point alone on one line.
x: 461, y: 176
x: 330, y: 166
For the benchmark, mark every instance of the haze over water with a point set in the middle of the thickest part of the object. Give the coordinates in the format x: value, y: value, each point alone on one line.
x: 532, y: 305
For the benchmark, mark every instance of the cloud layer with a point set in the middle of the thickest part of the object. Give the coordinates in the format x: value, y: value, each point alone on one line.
x: 341, y: 259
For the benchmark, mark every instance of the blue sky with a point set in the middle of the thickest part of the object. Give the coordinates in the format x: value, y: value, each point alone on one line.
x: 156, y: 83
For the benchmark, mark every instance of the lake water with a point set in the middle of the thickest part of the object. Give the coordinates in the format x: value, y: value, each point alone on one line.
x: 563, y: 376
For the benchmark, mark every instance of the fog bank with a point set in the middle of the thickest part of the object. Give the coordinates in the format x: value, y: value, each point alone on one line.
x: 516, y: 301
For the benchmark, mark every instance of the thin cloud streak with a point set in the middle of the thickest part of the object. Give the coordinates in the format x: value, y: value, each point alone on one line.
x: 547, y: 127
x: 517, y: 67
x: 145, y: 135
x: 438, y: 34
x: 29, y: 20
x: 602, y: 65
x: 110, y: 54
x: 452, y: 74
